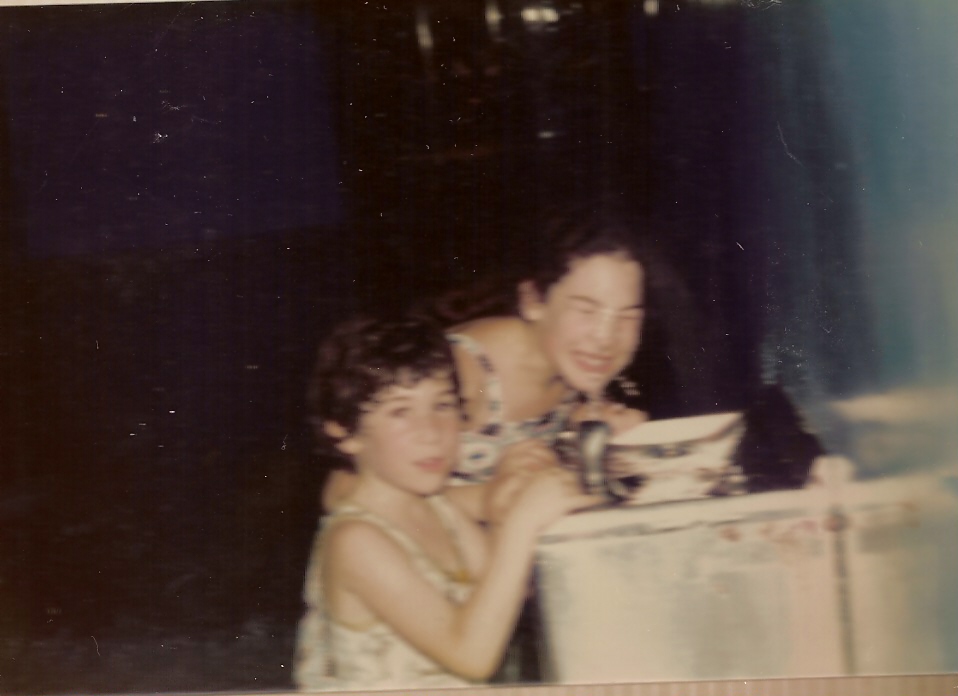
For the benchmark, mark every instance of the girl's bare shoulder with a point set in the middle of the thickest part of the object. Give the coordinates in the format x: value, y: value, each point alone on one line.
x: 500, y: 341
x: 497, y: 336
x: 356, y: 542
x: 493, y: 335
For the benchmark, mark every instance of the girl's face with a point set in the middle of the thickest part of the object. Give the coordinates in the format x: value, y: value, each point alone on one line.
x: 590, y: 321
x: 409, y: 437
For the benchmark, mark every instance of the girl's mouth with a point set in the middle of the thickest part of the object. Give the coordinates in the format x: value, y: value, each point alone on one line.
x: 592, y: 364
x: 432, y: 464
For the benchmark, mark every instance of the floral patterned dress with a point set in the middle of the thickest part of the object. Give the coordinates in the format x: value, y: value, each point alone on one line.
x: 479, y: 451
x: 332, y: 656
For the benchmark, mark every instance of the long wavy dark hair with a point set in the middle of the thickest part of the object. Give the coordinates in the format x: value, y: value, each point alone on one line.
x: 566, y: 235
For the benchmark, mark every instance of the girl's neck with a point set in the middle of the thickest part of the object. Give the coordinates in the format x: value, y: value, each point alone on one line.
x: 535, y: 361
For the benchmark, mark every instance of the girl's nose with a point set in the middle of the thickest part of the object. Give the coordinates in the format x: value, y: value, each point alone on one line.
x: 430, y: 427
x: 605, y: 327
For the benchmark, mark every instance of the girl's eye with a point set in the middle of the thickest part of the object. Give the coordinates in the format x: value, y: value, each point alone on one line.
x: 447, y: 406
x: 401, y: 412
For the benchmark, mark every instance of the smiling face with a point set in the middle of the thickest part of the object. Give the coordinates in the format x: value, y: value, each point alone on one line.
x: 408, y: 437
x: 589, y: 323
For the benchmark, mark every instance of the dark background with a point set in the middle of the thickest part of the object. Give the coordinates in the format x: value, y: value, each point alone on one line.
x: 192, y: 194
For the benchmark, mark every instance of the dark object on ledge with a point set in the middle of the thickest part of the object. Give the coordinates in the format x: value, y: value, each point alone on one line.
x: 775, y: 452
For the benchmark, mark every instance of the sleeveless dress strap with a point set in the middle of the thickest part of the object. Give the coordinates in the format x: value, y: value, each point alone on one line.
x: 493, y: 387
x: 415, y: 551
x: 349, y: 511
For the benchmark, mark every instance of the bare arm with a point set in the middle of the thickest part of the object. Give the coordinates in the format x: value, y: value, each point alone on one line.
x: 467, y: 639
x: 484, y: 502
x: 470, y: 499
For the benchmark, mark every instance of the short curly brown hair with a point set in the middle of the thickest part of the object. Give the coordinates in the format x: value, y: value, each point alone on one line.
x: 363, y: 357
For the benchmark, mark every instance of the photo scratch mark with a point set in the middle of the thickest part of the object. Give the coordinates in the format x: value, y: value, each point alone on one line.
x: 205, y: 120
x: 81, y: 143
x: 781, y: 136
x: 167, y: 107
x: 97, y: 647
x: 166, y: 31
x: 73, y: 157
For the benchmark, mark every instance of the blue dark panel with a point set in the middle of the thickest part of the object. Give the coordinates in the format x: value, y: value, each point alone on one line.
x: 156, y: 125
